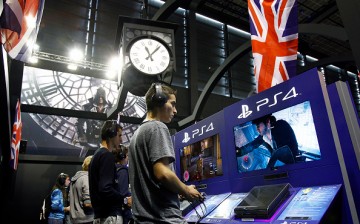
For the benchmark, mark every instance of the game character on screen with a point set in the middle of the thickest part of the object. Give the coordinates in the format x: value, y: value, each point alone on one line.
x: 88, y: 129
x: 277, y: 136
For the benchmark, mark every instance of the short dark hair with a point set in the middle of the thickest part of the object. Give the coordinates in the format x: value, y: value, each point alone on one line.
x: 108, y: 129
x: 265, y: 119
x: 120, y: 152
x: 167, y: 90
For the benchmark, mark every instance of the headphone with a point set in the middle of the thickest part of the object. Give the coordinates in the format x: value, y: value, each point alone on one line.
x: 122, y: 154
x: 111, y: 131
x: 62, y: 178
x: 159, y: 98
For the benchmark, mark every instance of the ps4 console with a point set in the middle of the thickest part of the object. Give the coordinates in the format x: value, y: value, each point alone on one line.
x: 262, y: 201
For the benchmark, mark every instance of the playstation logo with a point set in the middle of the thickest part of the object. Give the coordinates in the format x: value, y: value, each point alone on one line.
x: 245, y: 112
x: 186, y: 138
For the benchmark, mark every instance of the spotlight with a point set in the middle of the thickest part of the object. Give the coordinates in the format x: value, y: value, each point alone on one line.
x: 76, y: 54
x: 36, y: 48
x: 30, y: 21
x: 72, y: 66
x: 114, y: 67
x: 33, y: 60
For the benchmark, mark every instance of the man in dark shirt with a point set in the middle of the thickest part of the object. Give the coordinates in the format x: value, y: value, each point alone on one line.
x: 154, y: 185
x: 105, y: 197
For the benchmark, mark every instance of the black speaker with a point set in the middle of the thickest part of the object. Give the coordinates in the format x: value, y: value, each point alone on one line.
x: 112, y: 130
x: 159, y: 98
x: 122, y: 153
x: 23, y: 144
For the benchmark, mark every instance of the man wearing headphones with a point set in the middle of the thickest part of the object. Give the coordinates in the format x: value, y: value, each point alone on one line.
x: 154, y: 185
x: 105, y: 198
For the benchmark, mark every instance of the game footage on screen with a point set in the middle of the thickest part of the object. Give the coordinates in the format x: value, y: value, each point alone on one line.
x: 201, y: 160
x: 283, y: 137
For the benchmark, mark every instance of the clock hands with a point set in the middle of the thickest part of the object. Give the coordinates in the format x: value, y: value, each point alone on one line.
x: 150, y: 55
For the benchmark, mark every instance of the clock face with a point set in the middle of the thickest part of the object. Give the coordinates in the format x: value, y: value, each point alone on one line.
x: 149, y: 56
x: 69, y: 91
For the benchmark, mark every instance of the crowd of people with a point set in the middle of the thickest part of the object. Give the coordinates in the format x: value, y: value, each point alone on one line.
x: 101, y: 194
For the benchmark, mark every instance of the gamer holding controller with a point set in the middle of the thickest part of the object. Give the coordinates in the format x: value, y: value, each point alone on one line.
x: 155, y: 186
x: 275, y: 135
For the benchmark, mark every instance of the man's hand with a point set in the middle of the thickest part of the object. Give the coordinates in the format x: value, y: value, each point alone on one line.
x: 192, y: 194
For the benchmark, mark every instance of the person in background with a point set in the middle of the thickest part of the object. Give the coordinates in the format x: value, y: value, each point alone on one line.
x: 58, y: 196
x: 80, y: 204
x: 155, y: 187
x: 105, y: 197
x: 121, y: 159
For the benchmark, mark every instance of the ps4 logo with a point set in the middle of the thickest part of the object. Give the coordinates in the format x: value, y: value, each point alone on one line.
x: 197, y: 132
x: 246, y: 112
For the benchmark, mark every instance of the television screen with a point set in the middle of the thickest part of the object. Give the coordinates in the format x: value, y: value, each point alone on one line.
x: 283, y: 137
x: 201, y: 160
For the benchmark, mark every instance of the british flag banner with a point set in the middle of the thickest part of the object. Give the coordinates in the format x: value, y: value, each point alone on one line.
x: 16, y: 137
x: 19, y: 25
x: 274, y: 40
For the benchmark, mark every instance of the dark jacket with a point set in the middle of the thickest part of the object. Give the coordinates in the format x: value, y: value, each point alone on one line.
x: 105, y: 197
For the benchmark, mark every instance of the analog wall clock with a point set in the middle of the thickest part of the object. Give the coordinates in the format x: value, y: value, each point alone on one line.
x: 148, y: 50
x: 149, y: 55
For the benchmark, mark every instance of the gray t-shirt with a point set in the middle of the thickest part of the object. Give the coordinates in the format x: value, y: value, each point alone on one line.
x: 152, y: 202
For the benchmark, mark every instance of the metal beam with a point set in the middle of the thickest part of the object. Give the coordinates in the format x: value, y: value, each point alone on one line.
x: 169, y: 8
x: 5, y: 130
x: 323, y: 13
x: 192, y: 51
x: 326, y: 61
x: 120, y: 103
x: 350, y: 15
x: 75, y: 113
x: 214, y: 79
x: 324, y: 30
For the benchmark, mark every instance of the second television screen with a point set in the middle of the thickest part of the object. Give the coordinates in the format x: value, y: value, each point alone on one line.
x: 283, y: 137
x: 201, y: 160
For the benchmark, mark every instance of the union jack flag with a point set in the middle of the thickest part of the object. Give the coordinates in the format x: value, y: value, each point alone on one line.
x: 19, y: 25
x: 274, y: 40
x: 16, y: 137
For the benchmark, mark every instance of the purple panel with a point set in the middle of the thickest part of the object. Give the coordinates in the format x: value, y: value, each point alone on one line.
x: 346, y: 144
x: 205, y: 129
x: 305, y: 87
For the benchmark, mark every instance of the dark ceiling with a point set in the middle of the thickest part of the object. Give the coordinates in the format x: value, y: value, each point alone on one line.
x: 235, y: 13
x: 69, y: 23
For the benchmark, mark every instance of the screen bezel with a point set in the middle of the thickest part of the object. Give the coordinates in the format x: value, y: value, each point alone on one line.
x: 277, y: 167
x: 219, y: 128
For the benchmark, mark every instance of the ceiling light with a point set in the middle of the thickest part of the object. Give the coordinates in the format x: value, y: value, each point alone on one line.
x: 72, y: 67
x: 30, y: 21
x: 114, y: 67
x: 36, y: 48
x: 33, y: 60
x: 76, y: 54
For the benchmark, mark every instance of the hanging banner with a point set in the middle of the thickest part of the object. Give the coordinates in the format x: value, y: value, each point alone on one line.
x: 274, y: 40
